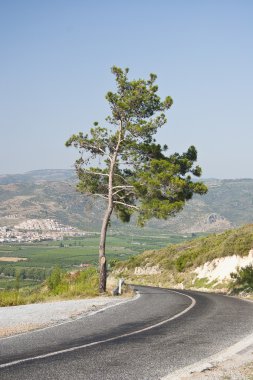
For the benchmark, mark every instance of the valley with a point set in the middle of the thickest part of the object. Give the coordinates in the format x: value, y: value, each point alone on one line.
x: 45, y: 222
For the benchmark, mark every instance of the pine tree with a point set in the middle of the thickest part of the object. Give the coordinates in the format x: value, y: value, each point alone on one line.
x: 135, y: 174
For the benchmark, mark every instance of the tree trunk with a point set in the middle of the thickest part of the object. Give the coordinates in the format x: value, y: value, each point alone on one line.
x: 107, y: 216
x: 102, y: 257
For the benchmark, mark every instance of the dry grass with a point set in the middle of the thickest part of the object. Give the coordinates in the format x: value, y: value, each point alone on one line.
x: 13, y: 259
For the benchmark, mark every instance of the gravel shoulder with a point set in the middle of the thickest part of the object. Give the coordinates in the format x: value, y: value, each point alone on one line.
x: 23, y: 318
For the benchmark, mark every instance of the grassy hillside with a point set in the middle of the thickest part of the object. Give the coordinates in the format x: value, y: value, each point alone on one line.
x: 58, y: 285
x: 175, y: 264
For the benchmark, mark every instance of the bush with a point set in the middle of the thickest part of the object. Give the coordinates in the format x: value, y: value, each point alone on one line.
x: 242, y: 279
x: 85, y: 283
x: 113, y: 262
x: 181, y: 263
x: 80, y: 283
x: 54, y: 280
x: 63, y: 285
x: 21, y: 297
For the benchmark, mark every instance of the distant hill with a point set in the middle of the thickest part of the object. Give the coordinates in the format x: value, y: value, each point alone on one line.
x: 228, y: 203
x: 51, y: 194
x: 38, y: 175
x: 46, y: 194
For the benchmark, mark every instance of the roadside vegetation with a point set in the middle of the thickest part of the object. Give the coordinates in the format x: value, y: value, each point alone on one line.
x: 242, y: 280
x: 58, y: 285
x: 175, y: 264
x: 33, y: 280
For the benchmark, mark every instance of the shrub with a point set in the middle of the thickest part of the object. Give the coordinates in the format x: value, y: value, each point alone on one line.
x: 113, y: 262
x: 181, y: 263
x: 80, y: 283
x: 85, y: 283
x: 54, y: 280
x: 242, y: 279
x: 63, y: 285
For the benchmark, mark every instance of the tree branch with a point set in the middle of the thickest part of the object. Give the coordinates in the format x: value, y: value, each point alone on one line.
x: 97, y: 195
x: 120, y: 176
x: 126, y: 205
x: 96, y: 173
x: 127, y: 192
x: 88, y: 145
x: 123, y: 187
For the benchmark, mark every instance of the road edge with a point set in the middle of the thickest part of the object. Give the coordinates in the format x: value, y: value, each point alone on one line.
x: 210, y: 362
x: 70, y: 320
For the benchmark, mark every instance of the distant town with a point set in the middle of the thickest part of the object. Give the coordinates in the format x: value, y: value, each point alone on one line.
x: 33, y: 230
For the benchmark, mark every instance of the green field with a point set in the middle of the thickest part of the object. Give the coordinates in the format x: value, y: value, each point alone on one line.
x: 11, y: 283
x: 70, y: 253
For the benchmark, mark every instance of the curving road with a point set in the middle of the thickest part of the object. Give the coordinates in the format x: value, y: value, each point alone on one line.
x: 147, y: 338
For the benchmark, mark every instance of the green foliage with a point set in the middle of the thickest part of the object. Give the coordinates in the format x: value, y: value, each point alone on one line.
x: 201, y: 282
x: 181, y: 263
x: 199, y: 251
x: 113, y: 262
x: 21, y: 296
x: 134, y: 261
x: 86, y: 282
x: 58, y: 284
x: 36, y: 274
x: 79, y: 283
x: 205, y: 283
x: 242, y: 279
x: 55, y: 279
x: 17, y: 282
x: 14, y: 297
x: 135, y: 173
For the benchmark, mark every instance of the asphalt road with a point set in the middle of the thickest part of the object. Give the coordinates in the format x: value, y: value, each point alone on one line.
x: 144, y: 339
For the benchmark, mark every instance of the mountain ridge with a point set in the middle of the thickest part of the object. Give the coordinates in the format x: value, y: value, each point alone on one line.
x: 51, y: 193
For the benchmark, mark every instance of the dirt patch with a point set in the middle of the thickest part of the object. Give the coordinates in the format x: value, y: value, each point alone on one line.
x: 19, y: 329
x: 13, y: 259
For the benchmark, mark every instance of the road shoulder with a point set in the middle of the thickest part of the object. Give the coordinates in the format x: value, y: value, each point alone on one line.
x: 234, y: 363
x: 20, y: 319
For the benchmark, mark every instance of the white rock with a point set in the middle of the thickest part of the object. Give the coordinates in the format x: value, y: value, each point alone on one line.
x: 220, y: 269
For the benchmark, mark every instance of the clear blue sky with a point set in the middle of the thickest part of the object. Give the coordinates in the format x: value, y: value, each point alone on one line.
x: 55, y: 70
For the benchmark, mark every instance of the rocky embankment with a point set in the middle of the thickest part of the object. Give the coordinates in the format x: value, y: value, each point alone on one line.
x: 200, y: 263
x: 220, y: 269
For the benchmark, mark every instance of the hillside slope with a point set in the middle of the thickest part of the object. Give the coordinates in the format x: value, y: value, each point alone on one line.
x: 52, y: 194
x: 180, y: 263
x: 228, y: 204
x: 46, y: 195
